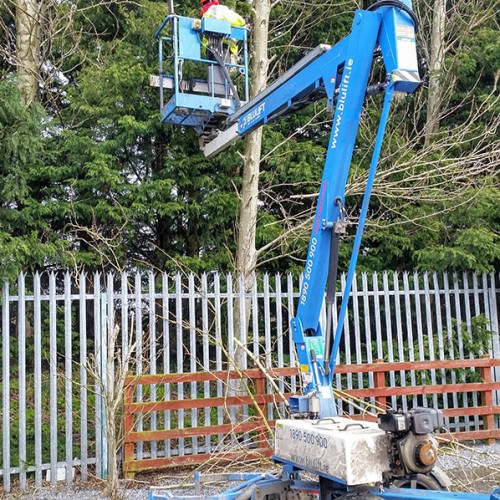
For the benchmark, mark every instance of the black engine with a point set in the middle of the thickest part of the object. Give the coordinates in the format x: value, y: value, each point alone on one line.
x: 413, y: 443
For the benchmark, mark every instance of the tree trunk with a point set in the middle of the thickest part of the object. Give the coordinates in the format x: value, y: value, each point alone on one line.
x: 246, y: 253
x: 435, y: 94
x: 28, y: 48
x: 246, y: 257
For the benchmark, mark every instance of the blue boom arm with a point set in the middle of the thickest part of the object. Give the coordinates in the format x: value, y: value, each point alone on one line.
x: 346, y: 460
x: 390, y: 26
x: 341, y: 73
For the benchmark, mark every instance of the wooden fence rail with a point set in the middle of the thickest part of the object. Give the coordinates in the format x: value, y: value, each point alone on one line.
x: 257, y: 424
x: 486, y: 409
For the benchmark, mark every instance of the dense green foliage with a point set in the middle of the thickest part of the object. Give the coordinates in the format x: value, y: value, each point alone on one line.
x: 91, y: 178
x: 26, y: 235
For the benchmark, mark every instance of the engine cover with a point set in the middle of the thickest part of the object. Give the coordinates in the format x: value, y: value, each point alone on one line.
x: 357, y: 452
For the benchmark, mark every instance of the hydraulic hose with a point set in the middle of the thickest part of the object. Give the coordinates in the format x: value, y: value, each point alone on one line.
x: 220, y: 60
x: 361, y: 224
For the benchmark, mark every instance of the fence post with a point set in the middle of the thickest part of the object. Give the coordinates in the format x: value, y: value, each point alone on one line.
x: 487, y: 400
x: 494, y: 326
x: 103, y: 362
x: 128, y: 427
x: 379, y: 380
x: 260, y: 389
x: 6, y: 386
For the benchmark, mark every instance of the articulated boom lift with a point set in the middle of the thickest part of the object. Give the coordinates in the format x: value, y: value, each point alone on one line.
x: 349, y: 458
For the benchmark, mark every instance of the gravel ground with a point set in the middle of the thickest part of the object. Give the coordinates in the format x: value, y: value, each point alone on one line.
x: 471, y: 468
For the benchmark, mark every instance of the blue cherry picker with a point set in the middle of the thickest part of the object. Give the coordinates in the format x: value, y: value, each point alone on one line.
x: 396, y: 457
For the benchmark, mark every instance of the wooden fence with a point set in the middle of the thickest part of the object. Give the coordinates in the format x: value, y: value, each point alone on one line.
x: 484, y: 389
x: 252, y: 436
x: 253, y: 427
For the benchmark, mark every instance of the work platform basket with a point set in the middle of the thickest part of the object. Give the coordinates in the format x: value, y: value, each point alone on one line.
x: 203, y: 88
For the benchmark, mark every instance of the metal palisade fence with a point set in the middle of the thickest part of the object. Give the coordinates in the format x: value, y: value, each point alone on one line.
x: 60, y: 330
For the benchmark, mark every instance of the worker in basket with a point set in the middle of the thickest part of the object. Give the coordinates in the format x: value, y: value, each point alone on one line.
x: 211, y: 8
x: 221, y: 49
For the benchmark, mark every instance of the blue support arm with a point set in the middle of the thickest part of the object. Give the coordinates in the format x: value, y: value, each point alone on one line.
x: 319, y: 73
x: 313, y: 346
x: 341, y: 74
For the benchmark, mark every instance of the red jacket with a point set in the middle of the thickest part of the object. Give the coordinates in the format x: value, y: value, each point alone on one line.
x: 207, y: 6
